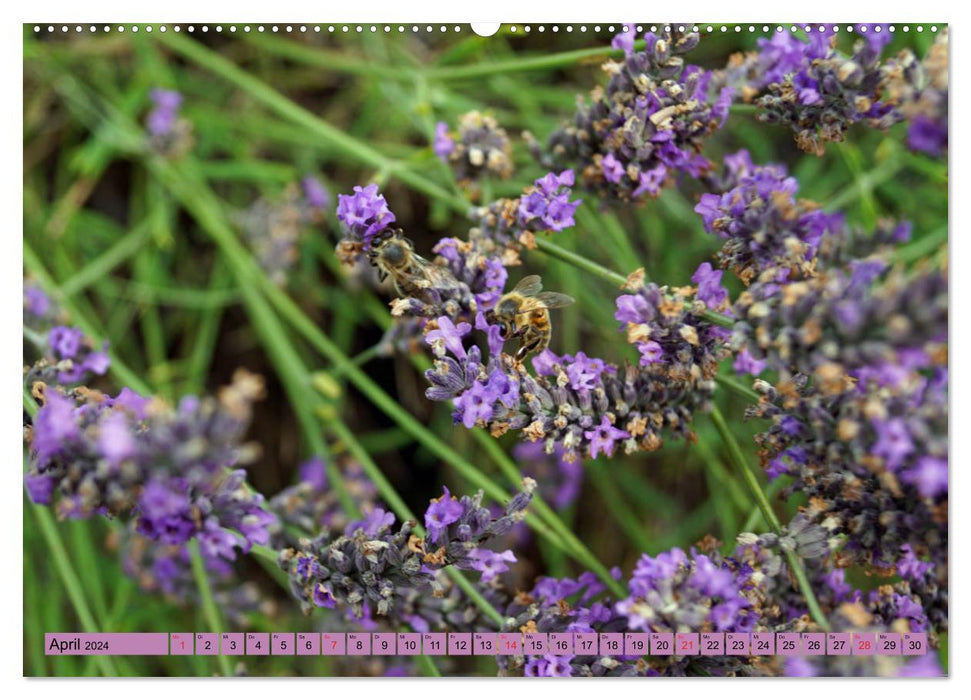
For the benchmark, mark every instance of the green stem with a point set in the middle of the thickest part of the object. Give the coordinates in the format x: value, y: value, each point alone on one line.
x: 738, y: 388
x: 795, y: 563
x: 72, y: 584
x: 98, y: 268
x: 209, y: 609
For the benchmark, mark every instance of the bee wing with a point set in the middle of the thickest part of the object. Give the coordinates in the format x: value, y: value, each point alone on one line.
x: 436, y: 275
x: 529, y: 286
x: 554, y: 300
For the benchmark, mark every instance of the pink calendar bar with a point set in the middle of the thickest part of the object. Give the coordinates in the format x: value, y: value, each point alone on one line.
x: 536, y: 643
x: 888, y: 643
x: 611, y: 644
x: 585, y: 643
x: 510, y: 643
x: 358, y: 643
x: 636, y: 644
x: 459, y: 643
x: 283, y: 643
x: 106, y: 644
x: 864, y: 643
x: 333, y: 644
x: 738, y: 644
x: 409, y: 643
x: 308, y: 643
x: 712, y: 643
x: 838, y: 643
x: 231, y: 644
x: 485, y: 643
x: 787, y: 643
x: 561, y: 643
x: 434, y: 643
x: 180, y: 644
x: 914, y: 643
x: 687, y: 643
x: 257, y: 643
x: 763, y: 643
x: 662, y: 643
x: 383, y: 644
x: 813, y: 643
x: 207, y: 644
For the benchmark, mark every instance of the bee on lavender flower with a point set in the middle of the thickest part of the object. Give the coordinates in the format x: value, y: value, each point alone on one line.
x: 524, y: 313
x: 394, y: 256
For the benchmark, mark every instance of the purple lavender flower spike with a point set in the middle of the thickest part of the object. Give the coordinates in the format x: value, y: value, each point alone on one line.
x: 652, y: 120
x: 365, y: 214
x: 395, y: 574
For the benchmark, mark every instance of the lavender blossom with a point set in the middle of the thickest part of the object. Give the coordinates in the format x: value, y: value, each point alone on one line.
x: 164, y: 467
x: 166, y: 569
x: 169, y: 134
x: 371, y: 568
x: 828, y: 92
x: 480, y: 148
x: 765, y: 228
x: 364, y: 214
x: 919, y: 89
x: 850, y: 454
x: 583, y: 405
x: 847, y: 325
x: 39, y: 310
x: 647, y: 126
x: 274, y: 229
x: 674, y: 340
x: 74, y: 355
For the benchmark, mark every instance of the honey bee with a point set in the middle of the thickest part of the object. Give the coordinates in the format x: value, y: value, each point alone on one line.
x: 524, y: 313
x: 394, y: 256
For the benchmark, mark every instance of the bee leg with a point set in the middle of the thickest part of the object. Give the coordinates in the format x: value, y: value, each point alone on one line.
x: 527, y: 347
